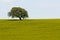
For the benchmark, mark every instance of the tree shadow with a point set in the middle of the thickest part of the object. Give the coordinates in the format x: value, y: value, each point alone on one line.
x: 12, y: 20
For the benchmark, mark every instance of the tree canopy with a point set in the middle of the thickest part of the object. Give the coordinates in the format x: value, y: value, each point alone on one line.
x: 18, y: 12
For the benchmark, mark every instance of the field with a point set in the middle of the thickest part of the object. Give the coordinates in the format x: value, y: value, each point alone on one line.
x: 40, y: 29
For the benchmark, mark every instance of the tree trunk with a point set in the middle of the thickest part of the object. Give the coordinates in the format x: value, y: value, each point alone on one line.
x: 19, y: 18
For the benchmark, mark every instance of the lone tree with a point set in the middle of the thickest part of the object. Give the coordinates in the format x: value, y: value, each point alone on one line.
x: 18, y: 12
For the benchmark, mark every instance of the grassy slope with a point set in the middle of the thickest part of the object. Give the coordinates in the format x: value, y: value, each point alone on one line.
x: 30, y: 30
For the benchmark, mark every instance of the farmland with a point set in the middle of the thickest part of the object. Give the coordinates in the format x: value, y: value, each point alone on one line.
x: 39, y: 29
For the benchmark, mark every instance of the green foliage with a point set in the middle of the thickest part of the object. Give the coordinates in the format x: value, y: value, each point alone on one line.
x: 18, y: 12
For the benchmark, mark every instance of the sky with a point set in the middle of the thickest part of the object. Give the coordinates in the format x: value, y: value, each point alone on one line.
x: 35, y: 8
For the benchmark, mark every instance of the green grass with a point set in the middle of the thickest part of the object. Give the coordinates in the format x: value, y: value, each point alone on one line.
x: 47, y: 29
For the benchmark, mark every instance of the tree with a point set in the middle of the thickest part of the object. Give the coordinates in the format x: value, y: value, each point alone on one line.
x: 18, y: 12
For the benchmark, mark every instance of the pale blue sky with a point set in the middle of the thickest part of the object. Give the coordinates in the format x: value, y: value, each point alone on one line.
x: 35, y: 8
